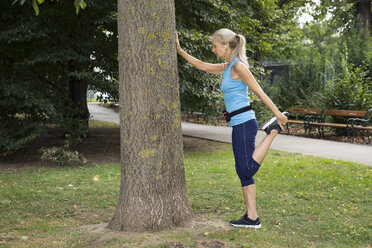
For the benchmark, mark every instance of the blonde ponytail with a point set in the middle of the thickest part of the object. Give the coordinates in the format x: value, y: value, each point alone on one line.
x: 236, y: 43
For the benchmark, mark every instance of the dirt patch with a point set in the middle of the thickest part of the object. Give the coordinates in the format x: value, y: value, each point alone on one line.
x: 198, y: 232
x: 102, y: 145
x: 191, y: 144
x: 329, y: 134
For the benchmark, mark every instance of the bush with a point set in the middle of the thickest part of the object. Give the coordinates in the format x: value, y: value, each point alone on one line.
x: 61, y: 156
x: 16, y: 133
x: 352, y: 89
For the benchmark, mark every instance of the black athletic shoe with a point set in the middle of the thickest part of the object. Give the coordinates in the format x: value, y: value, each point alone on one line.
x: 272, y: 124
x: 246, y: 222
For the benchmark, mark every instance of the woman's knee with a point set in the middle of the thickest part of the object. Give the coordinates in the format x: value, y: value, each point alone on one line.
x: 247, y: 181
x: 252, y: 167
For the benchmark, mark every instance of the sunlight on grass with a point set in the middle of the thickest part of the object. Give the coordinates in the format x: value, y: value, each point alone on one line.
x: 101, y: 124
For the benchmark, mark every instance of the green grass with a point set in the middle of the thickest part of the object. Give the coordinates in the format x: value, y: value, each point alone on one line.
x: 303, y: 201
x: 104, y: 124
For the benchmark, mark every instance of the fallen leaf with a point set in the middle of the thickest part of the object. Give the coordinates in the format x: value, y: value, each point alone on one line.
x: 95, y: 178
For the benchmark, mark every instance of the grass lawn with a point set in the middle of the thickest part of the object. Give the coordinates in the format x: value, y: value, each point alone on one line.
x: 303, y: 201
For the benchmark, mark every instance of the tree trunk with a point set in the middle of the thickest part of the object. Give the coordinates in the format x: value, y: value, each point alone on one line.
x: 363, y: 8
x: 153, y: 187
x: 77, y: 91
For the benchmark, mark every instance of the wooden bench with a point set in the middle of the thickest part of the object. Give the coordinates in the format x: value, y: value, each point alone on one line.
x: 306, y: 114
x: 358, y: 120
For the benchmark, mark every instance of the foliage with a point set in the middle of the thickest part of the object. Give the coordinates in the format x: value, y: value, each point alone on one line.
x: 302, y: 84
x: 61, y: 156
x: 43, y: 59
x: 330, y: 63
x: 79, y: 4
x: 22, y: 113
x: 16, y: 134
x: 352, y: 89
x: 56, y: 47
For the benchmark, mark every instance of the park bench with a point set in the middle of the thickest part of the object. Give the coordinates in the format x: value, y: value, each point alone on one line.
x: 358, y: 120
x: 307, y: 116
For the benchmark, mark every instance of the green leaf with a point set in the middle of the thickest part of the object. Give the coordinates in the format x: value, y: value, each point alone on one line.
x: 77, y: 7
x: 79, y: 4
x: 83, y: 4
x: 14, y: 2
x: 22, y: 2
x: 40, y: 1
x: 36, y: 7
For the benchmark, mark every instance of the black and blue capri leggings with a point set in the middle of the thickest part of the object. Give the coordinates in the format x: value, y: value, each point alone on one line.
x: 243, y: 138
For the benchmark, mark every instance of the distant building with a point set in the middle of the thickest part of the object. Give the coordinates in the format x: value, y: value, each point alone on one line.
x: 275, y: 70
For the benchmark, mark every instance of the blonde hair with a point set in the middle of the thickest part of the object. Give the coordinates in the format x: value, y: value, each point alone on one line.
x: 236, y: 43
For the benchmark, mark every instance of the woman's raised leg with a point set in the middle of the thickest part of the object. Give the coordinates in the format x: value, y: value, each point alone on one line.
x: 261, y: 150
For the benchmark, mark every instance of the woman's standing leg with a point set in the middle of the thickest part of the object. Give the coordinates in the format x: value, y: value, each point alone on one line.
x: 249, y: 192
x: 247, y: 161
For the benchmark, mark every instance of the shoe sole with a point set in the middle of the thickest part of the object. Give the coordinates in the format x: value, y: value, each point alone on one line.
x: 246, y: 226
x: 264, y: 126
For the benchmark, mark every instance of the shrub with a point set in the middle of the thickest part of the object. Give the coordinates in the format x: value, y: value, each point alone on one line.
x: 352, y: 89
x: 61, y: 156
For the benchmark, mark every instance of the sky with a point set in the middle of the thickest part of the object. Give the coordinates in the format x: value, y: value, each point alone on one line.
x: 305, y: 17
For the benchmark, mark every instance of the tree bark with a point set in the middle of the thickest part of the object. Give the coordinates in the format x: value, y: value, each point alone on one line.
x: 363, y: 8
x: 77, y: 92
x: 153, y: 187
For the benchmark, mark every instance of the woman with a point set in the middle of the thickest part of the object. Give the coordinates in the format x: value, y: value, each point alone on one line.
x: 236, y: 79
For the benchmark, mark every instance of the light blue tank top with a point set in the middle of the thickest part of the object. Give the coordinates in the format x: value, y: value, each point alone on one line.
x: 236, y: 96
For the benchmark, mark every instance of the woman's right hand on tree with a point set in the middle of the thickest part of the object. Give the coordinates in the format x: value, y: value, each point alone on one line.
x: 177, y: 42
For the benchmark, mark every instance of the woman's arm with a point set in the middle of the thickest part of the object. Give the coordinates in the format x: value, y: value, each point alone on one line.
x: 249, y: 80
x: 207, y: 67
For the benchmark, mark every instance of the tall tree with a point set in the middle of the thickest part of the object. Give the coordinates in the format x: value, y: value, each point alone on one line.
x: 153, y: 187
x: 363, y: 8
x: 46, y: 64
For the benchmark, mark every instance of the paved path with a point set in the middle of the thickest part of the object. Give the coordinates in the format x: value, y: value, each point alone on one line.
x: 287, y: 143
x: 102, y: 114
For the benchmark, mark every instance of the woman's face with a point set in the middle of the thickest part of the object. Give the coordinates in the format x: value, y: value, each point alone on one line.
x: 218, y: 49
